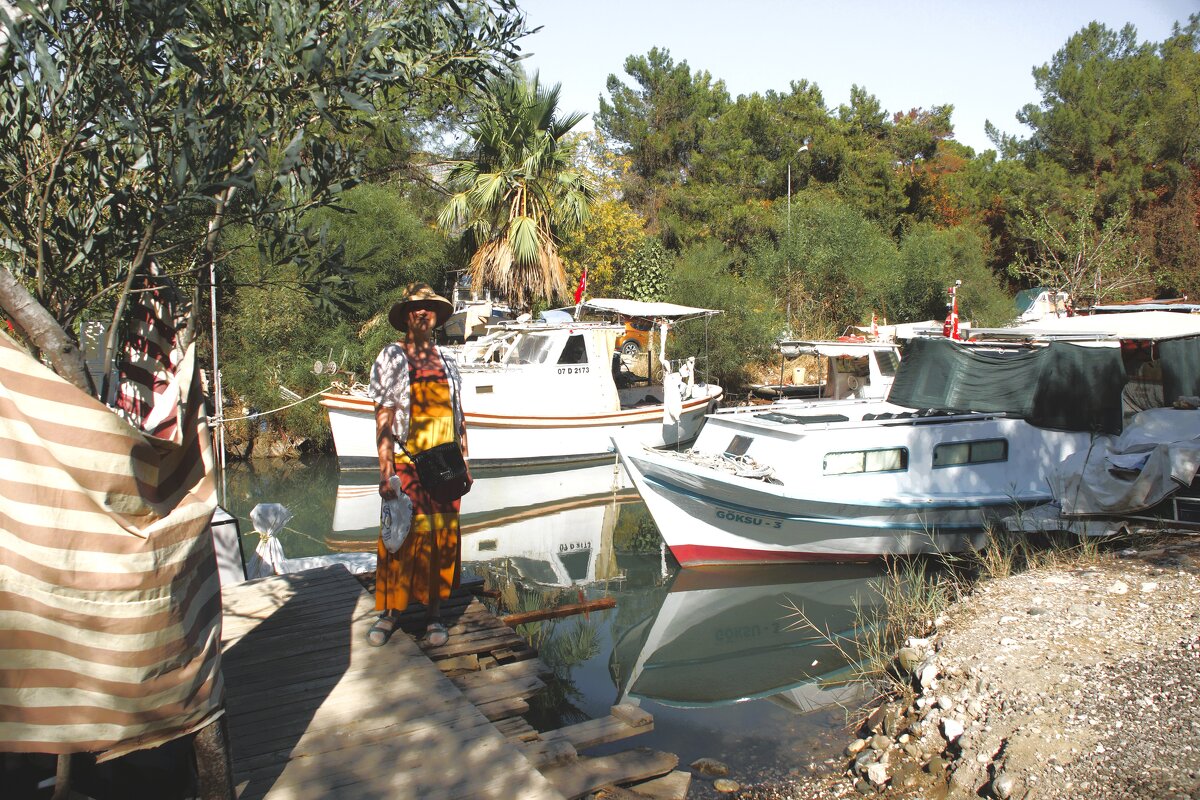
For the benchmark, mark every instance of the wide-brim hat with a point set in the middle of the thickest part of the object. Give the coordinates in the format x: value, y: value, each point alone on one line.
x: 419, y: 293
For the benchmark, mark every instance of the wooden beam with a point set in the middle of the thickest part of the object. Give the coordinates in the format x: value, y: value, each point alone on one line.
x: 523, y: 617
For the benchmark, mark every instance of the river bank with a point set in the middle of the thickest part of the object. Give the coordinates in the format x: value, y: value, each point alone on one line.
x: 1079, y: 681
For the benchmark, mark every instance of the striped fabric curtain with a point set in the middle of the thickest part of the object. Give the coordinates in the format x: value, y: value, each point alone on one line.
x: 110, y: 604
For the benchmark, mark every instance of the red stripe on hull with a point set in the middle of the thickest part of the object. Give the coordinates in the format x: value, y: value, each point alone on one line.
x: 695, y: 555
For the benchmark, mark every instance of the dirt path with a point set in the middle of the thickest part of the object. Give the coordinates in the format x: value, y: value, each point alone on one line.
x: 1070, y: 683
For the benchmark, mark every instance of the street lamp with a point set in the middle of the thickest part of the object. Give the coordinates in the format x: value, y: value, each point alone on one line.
x: 801, y: 149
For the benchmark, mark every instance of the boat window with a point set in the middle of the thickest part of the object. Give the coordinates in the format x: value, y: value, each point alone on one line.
x: 533, y: 348
x: 889, y: 362
x: 953, y: 454
x: 890, y: 459
x: 738, y: 446
x: 796, y: 419
x: 575, y: 351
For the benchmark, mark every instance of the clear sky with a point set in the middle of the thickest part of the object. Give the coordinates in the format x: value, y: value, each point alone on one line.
x: 975, y: 55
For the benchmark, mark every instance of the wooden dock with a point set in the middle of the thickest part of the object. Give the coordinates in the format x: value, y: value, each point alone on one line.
x: 315, y: 712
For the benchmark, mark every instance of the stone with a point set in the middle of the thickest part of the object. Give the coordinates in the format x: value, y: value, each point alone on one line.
x: 927, y: 676
x: 1003, y: 785
x: 975, y: 709
x: 936, y: 766
x: 877, y: 774
x: 945, y: 703
x: 952, y: 729
x: 891, y: 719
x: 1118, y: 587
x: 726, y: 786
x: 1149, y: 586
x: 864, y: 788
x: 710, y: 768
x: 865, y: 759
x: 856, y: 747
x: 880, y: 742
x: 908, y: 659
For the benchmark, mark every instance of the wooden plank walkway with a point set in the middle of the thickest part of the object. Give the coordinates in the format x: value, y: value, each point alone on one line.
x: 315, y: 712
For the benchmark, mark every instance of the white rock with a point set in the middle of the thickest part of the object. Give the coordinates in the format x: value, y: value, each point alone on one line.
x: 1149, y: 586
x: 945, y: 703
x: 1119, y: 587
x: 877, y: 774
x: 1002, y: 786
x: 928, y: 676
x: 952, y: 729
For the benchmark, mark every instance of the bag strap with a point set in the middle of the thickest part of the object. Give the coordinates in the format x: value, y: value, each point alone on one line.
x: 453, y: 425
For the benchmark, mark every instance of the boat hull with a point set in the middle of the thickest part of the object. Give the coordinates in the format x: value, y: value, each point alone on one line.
x: 497, y: 440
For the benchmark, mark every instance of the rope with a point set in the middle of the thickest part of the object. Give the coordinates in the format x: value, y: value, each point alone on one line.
x: 222, y: 421
x: 741, y: 466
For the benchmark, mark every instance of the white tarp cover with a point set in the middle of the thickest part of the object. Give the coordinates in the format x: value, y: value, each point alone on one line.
x: 638, y: 308
x: 1157, y: 454
x: 835, y: 349
x: 1131, y: 325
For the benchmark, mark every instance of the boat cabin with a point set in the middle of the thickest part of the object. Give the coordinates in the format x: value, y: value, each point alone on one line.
x: 540, y: 368
x: 853, y: 369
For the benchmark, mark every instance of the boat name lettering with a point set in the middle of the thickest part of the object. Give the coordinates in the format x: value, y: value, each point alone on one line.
x: 573, y: 370
x: 573, y: 546
x: 747, y: 519
x: 738, y: 633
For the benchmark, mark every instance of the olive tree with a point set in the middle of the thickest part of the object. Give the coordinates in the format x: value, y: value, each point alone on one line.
x: 137, y: 132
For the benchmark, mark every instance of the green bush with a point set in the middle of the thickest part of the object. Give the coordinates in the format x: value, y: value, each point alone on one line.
x: 733, y: 340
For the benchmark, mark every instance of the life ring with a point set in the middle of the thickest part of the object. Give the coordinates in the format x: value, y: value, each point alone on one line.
x: 852, y: 383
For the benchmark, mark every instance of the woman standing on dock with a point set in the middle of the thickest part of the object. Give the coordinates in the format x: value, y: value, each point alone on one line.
x: 417, y: 392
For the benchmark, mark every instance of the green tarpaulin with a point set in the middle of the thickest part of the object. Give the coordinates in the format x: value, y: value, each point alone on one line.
x: 1062, y: 386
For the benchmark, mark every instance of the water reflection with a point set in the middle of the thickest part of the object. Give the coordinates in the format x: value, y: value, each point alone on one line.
x: 708, y: 651
x: 726, y: 635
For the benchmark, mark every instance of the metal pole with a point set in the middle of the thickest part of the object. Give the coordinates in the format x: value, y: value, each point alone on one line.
x: 788, y: 287
x: 218, y: 400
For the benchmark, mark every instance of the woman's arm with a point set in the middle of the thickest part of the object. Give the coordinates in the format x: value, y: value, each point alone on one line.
x: 385, y: 442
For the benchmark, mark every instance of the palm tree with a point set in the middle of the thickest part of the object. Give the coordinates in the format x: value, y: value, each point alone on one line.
x: 518, y: 192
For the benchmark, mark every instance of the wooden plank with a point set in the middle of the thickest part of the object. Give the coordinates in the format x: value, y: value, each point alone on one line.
x: 632, y: 715
x: 596, y: 731
x: 521, y: 618
x: 518, y: 687
x: 669, y: 787
x: 584, y: 775
x: 508, y: 707
x: 542, y: 753
x: 500, y: 674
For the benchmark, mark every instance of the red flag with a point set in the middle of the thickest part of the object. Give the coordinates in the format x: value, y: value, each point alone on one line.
x: 579, y: 290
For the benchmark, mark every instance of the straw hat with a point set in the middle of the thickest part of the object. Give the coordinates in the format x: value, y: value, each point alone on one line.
x: 417, y: 293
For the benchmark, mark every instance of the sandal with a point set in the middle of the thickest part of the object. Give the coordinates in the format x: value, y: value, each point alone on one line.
x: 382, y: 630
x: 436, y: 634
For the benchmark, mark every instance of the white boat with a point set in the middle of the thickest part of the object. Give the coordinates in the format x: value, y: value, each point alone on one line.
x: 729, y: 634
x: 552, y: 526
x: 547, y: 392
x: 849, y: 481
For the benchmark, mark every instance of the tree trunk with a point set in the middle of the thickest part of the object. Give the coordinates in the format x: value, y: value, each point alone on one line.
x: 44, y: 331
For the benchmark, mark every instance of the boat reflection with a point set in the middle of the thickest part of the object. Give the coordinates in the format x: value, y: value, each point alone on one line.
x: 728, y: 634
x: 550, y: 526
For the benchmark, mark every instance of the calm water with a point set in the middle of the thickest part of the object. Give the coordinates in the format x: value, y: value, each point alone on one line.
x: 714, y: 654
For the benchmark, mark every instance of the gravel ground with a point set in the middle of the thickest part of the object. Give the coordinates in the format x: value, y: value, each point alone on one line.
x: 1079, y: 682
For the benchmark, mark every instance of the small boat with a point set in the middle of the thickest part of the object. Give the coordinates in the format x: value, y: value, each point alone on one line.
x: 552, y: 391
x: 854, y: 480
x: 725, y: 635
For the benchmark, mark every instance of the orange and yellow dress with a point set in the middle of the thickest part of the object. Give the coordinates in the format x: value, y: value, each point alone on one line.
x: 430, y: 559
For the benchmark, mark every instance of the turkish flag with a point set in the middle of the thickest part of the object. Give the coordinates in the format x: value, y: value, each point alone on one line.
x: 579, y: 290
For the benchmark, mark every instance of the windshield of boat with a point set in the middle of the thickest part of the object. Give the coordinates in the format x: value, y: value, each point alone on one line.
x: 889, y: 362
x: 533, y: 348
